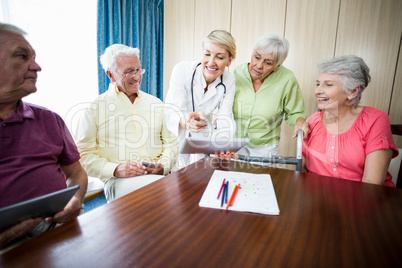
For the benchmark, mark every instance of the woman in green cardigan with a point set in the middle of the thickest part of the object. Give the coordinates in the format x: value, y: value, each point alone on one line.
x: 265, y: 92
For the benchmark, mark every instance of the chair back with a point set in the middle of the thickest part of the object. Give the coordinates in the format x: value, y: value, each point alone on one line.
x: 396, y: 163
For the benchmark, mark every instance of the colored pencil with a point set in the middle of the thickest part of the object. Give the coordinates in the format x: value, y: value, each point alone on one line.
x: 221, y: 188
x: 232, y: 196
x: 223, y: 194
x: 235, y: 193
x: 227, y: 190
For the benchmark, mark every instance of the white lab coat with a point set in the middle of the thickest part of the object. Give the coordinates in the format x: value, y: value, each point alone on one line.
x: 216, y: 105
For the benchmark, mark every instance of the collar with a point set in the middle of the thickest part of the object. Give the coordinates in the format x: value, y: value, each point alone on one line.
x: 23, y: 111
x: 117, y: 91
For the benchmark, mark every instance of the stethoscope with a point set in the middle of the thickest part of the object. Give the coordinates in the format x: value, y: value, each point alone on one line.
x: 192, y: 84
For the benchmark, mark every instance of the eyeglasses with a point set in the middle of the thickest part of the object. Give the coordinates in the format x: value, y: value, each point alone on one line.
x: 132, y: 73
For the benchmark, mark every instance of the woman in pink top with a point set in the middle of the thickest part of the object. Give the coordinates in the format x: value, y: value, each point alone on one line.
x: 348, y: 141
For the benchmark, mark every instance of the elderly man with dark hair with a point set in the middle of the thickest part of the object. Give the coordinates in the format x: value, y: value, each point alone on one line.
x: 38, y: 155
x: 123, y: 127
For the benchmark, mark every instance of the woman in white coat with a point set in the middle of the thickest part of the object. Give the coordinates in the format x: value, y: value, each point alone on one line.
x: 201, y: 93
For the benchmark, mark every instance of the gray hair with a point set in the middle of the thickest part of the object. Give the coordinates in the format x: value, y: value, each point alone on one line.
x: 274, y: 44
x: 353, y: 73
x: 108, y: 59
x: 4, y: 27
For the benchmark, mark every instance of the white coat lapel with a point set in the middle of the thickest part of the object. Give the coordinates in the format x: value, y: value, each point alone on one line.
x: 201, y: 84
x: 211, y: 92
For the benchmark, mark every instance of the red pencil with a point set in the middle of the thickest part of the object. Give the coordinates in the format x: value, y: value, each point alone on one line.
x: 221, y: 189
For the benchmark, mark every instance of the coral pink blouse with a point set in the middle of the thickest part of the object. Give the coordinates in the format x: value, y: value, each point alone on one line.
x: 343, y: 155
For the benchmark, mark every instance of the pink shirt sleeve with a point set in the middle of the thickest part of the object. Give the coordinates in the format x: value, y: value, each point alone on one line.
x: 379, y: 135
x: 312, y: 122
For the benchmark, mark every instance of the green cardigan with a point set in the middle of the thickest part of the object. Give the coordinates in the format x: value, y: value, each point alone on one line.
x: 258, y: 115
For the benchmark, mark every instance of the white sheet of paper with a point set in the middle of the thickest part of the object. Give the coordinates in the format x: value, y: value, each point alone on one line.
x: 256, y: 193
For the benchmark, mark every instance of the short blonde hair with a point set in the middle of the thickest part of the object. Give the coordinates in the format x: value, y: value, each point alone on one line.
x: 223, y: 39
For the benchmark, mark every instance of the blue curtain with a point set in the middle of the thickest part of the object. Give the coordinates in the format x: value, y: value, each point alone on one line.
x: 135, y: 23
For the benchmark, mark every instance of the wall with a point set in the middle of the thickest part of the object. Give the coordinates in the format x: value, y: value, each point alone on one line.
x: 316, y: 30
x: 65, y: 49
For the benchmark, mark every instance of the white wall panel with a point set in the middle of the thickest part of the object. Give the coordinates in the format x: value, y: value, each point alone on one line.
x: 178, y: 39
x: 253, y: 18
x: 372, y: 29
x: 311, y: 32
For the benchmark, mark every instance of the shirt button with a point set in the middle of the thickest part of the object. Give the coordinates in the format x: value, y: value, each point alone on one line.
x: 4, y: 124
x: 334, y: 169
x: 332, y: 160
x: 332, y: 147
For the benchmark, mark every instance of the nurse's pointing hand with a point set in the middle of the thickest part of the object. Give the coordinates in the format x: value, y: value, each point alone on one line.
x: 195, y: 121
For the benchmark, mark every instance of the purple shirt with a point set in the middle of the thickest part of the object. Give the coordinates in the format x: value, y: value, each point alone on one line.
x: 34, y: 143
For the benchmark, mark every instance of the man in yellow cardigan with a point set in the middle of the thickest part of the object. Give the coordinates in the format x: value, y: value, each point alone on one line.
x: 124, y: 127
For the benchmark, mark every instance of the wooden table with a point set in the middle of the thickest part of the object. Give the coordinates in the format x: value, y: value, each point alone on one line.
x: 323, y: 222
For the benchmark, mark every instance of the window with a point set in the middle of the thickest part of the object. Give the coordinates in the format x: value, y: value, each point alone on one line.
x: 63, y: 33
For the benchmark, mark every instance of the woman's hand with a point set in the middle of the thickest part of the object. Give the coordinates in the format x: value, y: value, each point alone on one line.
x: 302, y: 124
x: 195, y: 121
x: 226, y: 155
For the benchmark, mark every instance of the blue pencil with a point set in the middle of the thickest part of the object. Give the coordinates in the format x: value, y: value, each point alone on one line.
x: 223, y: 194
x: 226, y: 193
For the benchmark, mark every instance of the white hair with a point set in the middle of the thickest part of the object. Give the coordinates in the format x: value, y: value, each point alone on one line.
x: 4, y: 27
x: 108, y: 59
x: 353, y: 73
x: 11, y: 28
x: 274, y: 44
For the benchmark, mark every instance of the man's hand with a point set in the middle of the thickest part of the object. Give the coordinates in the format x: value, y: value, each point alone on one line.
x: 129, y: 169
x: 19, y: 230
x: 158, y: 169
x: 70, y: 211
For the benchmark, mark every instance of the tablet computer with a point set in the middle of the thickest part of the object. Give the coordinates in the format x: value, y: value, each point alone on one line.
x: 206, y: 145
x: 42, y: 206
